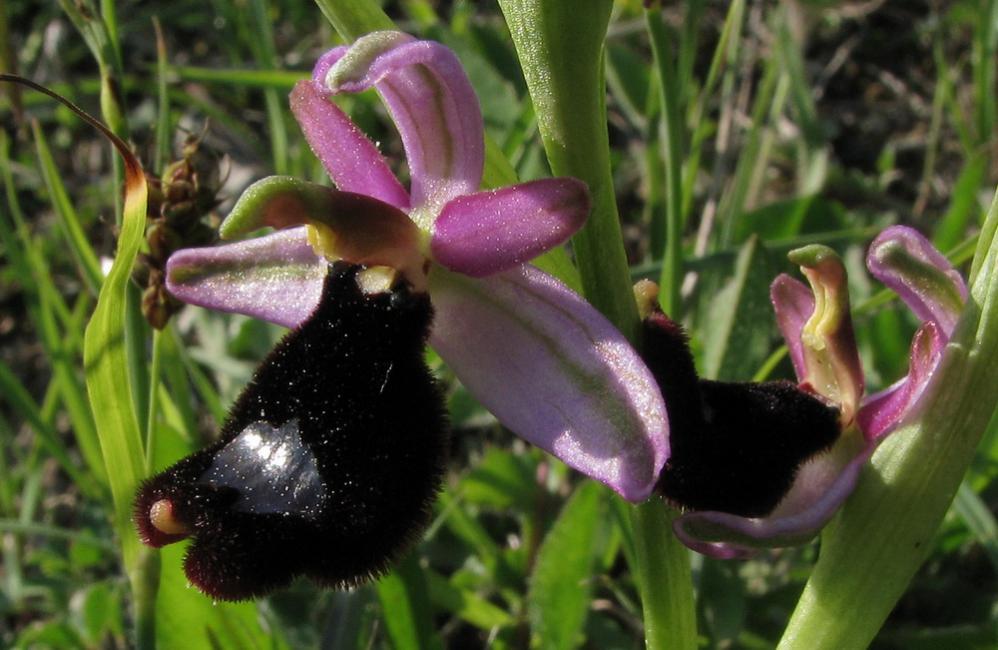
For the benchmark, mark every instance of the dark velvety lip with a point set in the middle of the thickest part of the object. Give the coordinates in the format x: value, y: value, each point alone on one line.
x: 329, y: 461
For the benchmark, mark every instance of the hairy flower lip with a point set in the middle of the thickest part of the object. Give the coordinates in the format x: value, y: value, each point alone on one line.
x: 309, y: 475
x: 738, y: 448
x: 726, y: 536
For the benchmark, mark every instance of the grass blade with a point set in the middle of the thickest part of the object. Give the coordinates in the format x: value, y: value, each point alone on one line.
x: 964, y: 206
x: 466, y: 604
x: 734, y: 343
x: 405, y: 601
x: 672, y: 162
x: 18, y: 399
x: 561, y: 584
x: 979, y: 519
x: 83, y: 253
x: 354, y: 18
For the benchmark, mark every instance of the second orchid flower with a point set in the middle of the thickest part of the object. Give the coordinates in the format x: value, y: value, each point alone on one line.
x: 817, y: 326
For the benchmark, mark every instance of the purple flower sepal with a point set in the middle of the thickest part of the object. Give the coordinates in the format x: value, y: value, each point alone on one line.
x: 546, y: 364
x: 817, y: 328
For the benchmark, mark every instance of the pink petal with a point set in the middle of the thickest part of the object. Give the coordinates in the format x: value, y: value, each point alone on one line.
x: 487, y: 232
x: 793, y: 303
x: 554, y: 371
x: 823, y: 488
x: 350, y: 159
x: 433, y: 106
x: 277, y: 278
x: 883, y: 411
x: 906, y: 262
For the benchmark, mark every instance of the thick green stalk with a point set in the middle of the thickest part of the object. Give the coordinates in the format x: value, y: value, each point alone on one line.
x: 665, y: 580
x: 144, y: 579
x: 870, y: 553
x: 560, y: 46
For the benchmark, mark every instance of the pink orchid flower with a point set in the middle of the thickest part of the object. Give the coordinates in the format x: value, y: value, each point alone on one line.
x: 534, y: 353
x: 818, y: 330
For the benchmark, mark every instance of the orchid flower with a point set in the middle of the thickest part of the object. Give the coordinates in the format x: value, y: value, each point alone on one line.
x: 818, y: 331
x: 543, y: 361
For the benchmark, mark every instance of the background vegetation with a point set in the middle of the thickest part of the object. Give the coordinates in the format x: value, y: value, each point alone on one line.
x: 791, y: 123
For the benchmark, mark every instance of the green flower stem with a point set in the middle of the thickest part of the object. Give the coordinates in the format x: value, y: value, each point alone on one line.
x: 560, y: 45
x: 664, y: 577
x: 870, y: 553
x: 144, y: 578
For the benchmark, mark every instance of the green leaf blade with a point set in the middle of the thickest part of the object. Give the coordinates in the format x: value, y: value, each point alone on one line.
x: 561, y: 584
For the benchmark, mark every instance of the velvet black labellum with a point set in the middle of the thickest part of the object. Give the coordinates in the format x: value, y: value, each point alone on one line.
x: 328, y: 462
x: 735, y: 447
